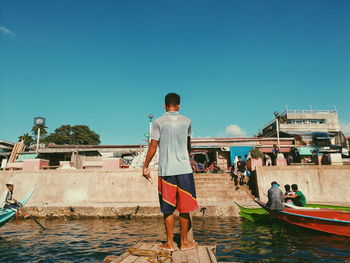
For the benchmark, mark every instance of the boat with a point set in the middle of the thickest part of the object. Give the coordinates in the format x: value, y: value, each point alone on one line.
x: 258, y: 214
x: 7, y: 214
x: 254, y: 214
x: 326, y: 220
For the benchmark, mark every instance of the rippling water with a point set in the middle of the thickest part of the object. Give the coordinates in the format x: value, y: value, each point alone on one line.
x: 236, y: 240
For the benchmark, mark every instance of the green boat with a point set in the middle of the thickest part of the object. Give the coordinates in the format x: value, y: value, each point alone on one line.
x: 7, y: 214
x: 261, y: 215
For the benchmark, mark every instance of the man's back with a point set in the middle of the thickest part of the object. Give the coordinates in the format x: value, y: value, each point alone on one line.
x: 275, y: 196
x: 176, y: 186
x: 301, y: 199
x: 172, y: 131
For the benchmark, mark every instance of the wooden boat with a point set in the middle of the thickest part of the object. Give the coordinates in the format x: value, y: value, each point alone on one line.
x: 253, y: 214
x: 322, y: 219
x: 7, y: 214
x: 260, y: 215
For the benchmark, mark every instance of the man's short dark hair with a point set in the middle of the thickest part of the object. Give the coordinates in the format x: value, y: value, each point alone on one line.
x: 295, y: 186
x: 172, y: 99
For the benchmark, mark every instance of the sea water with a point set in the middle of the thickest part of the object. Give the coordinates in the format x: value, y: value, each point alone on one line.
x: 91, y: 240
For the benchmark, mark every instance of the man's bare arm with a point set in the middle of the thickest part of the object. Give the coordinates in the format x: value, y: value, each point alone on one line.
x: 152, y: 149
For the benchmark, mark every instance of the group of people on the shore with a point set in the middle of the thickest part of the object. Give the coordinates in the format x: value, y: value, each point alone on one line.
x: 291, y: 196
x: 205, y: 167
x: 239, y: 172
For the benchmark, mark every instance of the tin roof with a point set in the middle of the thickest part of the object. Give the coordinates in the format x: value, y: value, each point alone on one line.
x: 26, y: 156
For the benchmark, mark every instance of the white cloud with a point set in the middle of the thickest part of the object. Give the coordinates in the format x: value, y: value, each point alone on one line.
x: 345, y: 128
x: 233, y: 130
x: 6, y: 31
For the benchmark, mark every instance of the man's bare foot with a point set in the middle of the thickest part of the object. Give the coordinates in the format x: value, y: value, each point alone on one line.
x: 188, y: 245
x: 167, y: 247
x: 26, y: 216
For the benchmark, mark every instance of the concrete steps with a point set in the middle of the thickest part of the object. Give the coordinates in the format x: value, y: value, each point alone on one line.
x: 218, y: 188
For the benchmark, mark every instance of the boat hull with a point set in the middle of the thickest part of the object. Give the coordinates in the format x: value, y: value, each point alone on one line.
x: 325, y: 220
x: 327, y: 226
x: 261, y: 215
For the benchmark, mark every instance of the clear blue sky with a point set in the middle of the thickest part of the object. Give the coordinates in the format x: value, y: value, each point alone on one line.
x: 108, y: 64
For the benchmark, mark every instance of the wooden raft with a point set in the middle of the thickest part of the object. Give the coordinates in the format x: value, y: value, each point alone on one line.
x: 202, y: 254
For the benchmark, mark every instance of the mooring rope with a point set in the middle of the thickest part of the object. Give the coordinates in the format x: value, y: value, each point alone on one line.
x: 152, y: 256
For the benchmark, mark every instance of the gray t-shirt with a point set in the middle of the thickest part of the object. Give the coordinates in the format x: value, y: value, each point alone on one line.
x: 276, y: 199
x: 171, y: 131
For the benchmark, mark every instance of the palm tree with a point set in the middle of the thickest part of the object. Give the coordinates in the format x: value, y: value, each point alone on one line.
x: 27, y: 138
x: 42, y: 128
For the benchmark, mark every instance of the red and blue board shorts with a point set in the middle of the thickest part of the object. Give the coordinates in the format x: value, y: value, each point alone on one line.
x: 177, y: 192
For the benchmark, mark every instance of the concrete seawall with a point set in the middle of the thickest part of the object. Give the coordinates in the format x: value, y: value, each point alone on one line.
x: 125, y: 193
x: 82, y: 186
x: 122, y: 193
x: 320, y: 184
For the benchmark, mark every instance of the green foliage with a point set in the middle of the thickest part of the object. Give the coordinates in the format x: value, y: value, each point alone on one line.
x: 27, y: 138
x: 73, y: 135
x: 43, y: 131
x: 256, y: 153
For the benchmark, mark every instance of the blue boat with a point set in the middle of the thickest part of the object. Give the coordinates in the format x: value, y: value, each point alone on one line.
x: 7, y: 214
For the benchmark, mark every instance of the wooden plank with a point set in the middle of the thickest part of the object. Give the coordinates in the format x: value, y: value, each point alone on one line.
x: 191, y: 255
x: 126, y: 254
x: 141, y: 260
x: 144, y: 246
x: 211, y: 254
x: 14, y: 149
x: 176, y: 256
x: 150, y: 246
x: 203, y: 255
x: 183, y: 257
x: 129, y: 259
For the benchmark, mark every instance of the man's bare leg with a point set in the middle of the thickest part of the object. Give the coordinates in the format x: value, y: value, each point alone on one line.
x: 185, y: 224
x: 17, y: 219
x: 24, y: 213
x: 169, y: 228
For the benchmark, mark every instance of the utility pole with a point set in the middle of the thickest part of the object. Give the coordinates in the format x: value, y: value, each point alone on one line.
x: 150, y: 127
x: 39, y: 121
x: 277, y: 129
x: 37, y: 141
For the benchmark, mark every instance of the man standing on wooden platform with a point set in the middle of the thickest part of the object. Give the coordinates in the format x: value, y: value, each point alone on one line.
x: 172, y: 133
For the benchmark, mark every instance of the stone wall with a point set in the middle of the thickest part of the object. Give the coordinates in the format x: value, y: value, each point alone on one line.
x: 82, y: 186
x: 320, y: 184
x: 122, y: 193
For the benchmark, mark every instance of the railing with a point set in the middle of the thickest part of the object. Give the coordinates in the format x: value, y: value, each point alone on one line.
x: 299, y: 111
x: 309, y: 111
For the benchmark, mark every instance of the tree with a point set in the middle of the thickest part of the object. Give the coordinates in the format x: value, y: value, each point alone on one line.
x: 27, y: 138
x: 43, y: 131
x: 256, y: 153
x: 73, y: 135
